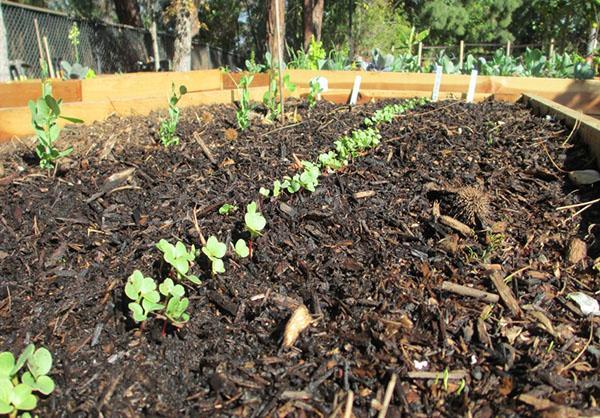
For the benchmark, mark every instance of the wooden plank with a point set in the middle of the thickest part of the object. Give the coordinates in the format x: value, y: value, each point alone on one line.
x: 16, y: 121
x: 136, y: 85
x: 231, y: 80
x: 19, y: 93
x: 589, y: 128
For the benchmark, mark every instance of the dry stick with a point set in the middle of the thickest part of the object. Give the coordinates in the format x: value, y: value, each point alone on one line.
x: 578, y: 356
x: 552, y: 160
x: 349, y: 402
x: 205, y: 149
x: 389, y: 391
x: 506, y: 294
x: 197, y: 227
x: 280, y: 59
x: 455, y: 375
x: 576, y: 213
x: 50, y: 66
x: 577, y: 205
x: 468, y: 291
x: 513, y: 274
x: 576, y: 126
x: 39, y: 42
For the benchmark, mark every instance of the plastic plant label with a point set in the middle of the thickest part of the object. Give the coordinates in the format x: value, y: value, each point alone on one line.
x: 437, y: 83
x: 587, y: 304
x: 472, y: 85
x: 355, y: 89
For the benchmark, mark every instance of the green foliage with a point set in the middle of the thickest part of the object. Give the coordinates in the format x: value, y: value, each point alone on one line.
x: 146, y: 299
x: 357, y: 142
x: 251, y: 65
x: 331, y: 161
x: 179, y: 258
x: 227, y: 209
x: 242, y: 115
x: 74, y: 39
x: 313, y: 94
x: 241, y: 249
x: 16, y: 392
x: 410, y: 38
x: 74, y: 71
x: 378, y: 24
x: 142, y: 290
x: 271, y: 96
x: 45, y: 112
x: 169, y: 126
x: 254, y: 221
x: 309, y: 60
x: 215, y: 251
x: 176, y: 303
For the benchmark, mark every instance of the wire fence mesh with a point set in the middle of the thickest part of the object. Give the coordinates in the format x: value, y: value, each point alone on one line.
x: 104, y: 47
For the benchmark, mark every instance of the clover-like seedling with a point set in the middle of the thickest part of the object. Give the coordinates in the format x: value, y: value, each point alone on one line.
x: 17, y: 394
x: 241, y: 249
x: 227, y: 209
x: 254, y: 220
x: 142, y: 290
x: 176, y: 302
x: 215, y: 251
x: 179, y: 258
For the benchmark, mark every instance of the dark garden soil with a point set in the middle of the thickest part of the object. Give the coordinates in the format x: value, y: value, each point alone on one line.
x: 364, y: 253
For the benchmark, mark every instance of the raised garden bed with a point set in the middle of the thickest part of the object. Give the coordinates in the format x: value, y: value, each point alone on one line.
x: 366, y: 253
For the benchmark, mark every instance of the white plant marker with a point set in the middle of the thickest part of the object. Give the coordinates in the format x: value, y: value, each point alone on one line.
x: 472, y: 85
x: 436, y: 84
x: 355, y: 89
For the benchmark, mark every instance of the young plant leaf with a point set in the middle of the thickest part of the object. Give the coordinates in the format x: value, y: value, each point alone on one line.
x: 241, y: 249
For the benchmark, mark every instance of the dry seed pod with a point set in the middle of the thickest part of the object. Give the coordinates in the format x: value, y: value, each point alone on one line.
x: 231, y: 134
x: 577, y: 251
x: 297, y: 323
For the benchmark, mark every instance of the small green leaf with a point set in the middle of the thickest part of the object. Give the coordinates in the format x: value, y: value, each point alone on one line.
x: 227, y: 208
x: 45, y: 385
x: 178, y: 291
x: 265, y: 192
x: 241, y: 249
x: 182, y: 89
x: 5, y: 408
x: 6, y: 389
x: 194, y: 279
x: 22, y: 398
x: 137, y: 312
x: 23, y: 358
x: 7, y: 363
x: 52, y: 104
x: 218, y: 266
x: 166, y: 287
x: 40, y: 362
x: 181, y: 265
x: 70, y: 119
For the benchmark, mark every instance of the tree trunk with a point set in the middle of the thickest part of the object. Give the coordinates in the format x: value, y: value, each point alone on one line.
x: 182, y: 57
x: 274, y: 44
x: 4, y: 70
x: 154, y: 36
x: 313, y: 20
x: 128, y: 12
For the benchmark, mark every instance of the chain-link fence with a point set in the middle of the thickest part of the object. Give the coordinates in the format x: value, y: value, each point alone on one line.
x: 104, y: 47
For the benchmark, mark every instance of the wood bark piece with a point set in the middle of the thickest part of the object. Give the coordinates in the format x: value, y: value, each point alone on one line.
x: 298, y: 322
x: 456, y: 225
x: 469, y: 291
x: 364, y: 194
x: 205, y: 149
x: 505, y: 293
x: 577, y: 251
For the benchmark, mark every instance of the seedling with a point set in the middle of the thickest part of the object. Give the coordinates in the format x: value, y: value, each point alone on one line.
x: 215, y: 251
x: 313, y: 94
x: 255, y: 222
x: 168, y: 126
x: 142, y: 290
x: 44, y: 116
x: 309, y: 179
x: 179, y: 258
x: 175, y: 301
x: 241, y: 249
x: 264, y: 191
x: 331, y: 161
x: 271, y: 95
x: 227, y: 209
x: 242, y: 115
x: 16, y: 393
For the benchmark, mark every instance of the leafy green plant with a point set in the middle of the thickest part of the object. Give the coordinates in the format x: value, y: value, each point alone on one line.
x: 270, y: 98
x: 74, y: 39
x: 16, y: 392
x: 74, y: 71
x: 241, y: 249
x: 146, y: 299
x: 142, y: 290
x: 254, y: 220
x: 179, y: 258
x: 176, y: 303
x: 168, y: 126
x: 252, y: 66
x: 227, y: 209
x: 215, y: 251
x: 331, y: 161
x: 313, y: 94
x: 45, y: 113
x: 242, y: 115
